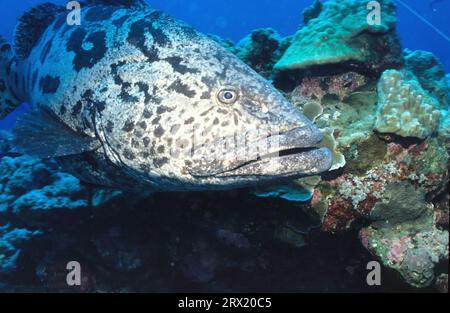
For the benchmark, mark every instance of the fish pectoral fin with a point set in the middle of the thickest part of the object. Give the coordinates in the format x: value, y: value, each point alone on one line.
x: 42, y: 134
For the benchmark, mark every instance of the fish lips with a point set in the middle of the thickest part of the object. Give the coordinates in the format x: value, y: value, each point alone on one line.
x: 299, y: 162
x: 285, y: 154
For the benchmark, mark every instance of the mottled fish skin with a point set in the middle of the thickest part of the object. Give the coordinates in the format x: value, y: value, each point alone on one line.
x: 145, y: 85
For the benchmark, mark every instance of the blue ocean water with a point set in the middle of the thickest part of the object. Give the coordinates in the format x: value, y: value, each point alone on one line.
x: 234, y: 19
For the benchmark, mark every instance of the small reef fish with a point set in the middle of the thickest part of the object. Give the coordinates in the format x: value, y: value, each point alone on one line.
x: 135, y: 99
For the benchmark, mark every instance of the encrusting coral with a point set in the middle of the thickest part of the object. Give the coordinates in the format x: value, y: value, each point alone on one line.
x: 341, y: 33
x: 404, y: 108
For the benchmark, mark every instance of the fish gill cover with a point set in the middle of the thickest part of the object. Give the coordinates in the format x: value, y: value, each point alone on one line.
x: 89, y: 174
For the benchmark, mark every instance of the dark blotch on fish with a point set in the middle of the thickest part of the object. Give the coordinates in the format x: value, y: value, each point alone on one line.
x: 163, y: 109
x: 160, y: 161
x: 143, y: 125
x: 49, y: 84
x: 143, y: 87
x: 77, y: 108
x: 109, y: 127
x: 129, y: 155
x: 125, y: 95
x: 159, y: 131
x: 156, y: 120
x: 146, y: 114
x: 189, y: 121
x: 178, y: 67
x: 160, y: 149
x: 119, y: 22
x: 114, y: 72
x: 205, y: 95
x: 136, y: 37
x: 129, y: 126
x: 87, y: 58
x: 181, y: 88
x: 63, y: 109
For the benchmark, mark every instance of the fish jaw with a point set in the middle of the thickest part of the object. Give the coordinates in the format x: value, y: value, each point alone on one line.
x: 293, y: 153
x: 302, y: 163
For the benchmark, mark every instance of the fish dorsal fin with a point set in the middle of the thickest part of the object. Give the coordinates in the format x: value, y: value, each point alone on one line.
x: 41, y: 133
x: 126, y: 3
x: 32, y: 25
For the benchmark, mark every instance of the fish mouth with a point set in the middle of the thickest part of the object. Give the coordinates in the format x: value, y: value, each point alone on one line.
x: 285, y: 163
x: 288, y: 154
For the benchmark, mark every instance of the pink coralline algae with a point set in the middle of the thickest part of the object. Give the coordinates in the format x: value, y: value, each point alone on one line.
x: 339, y: 85
x: 397, y: 249
x: 351, y: 196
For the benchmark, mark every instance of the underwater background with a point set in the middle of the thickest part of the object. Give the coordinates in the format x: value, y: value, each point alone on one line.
x: 385, y: 199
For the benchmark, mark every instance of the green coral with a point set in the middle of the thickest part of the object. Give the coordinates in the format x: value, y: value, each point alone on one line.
x: 401, y: 202
x: 351, y: 119
x: 433, y: 160
x: 404, y: 108
x: 365, y: 155
x: 342, y: 33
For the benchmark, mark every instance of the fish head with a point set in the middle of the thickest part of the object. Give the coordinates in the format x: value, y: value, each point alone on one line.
x: 249, y: 132
x: 216, y: 124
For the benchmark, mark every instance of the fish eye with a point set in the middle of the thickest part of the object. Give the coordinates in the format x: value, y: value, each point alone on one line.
x: 227, y: 96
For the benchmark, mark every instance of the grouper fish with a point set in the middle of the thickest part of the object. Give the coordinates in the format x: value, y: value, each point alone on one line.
x: 132, y: 98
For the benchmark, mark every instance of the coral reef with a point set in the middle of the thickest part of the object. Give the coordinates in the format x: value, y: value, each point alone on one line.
x: 393, y: 178
x: 340, y: 33
x: 386, y: 196
x: 404, y: 108
x: 261, y: 50
x: 312, y: 11
x: 430, y: 73
x: 414, y: 254
x: 12, y: 241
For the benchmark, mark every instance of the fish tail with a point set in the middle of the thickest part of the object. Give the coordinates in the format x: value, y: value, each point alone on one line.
x: 8, y: 99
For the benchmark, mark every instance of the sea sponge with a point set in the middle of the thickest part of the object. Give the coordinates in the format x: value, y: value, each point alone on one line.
x: 341, y: 33
x: 404, y: 108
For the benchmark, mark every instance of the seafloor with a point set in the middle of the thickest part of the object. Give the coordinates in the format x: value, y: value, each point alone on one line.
x: 384, y: 112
